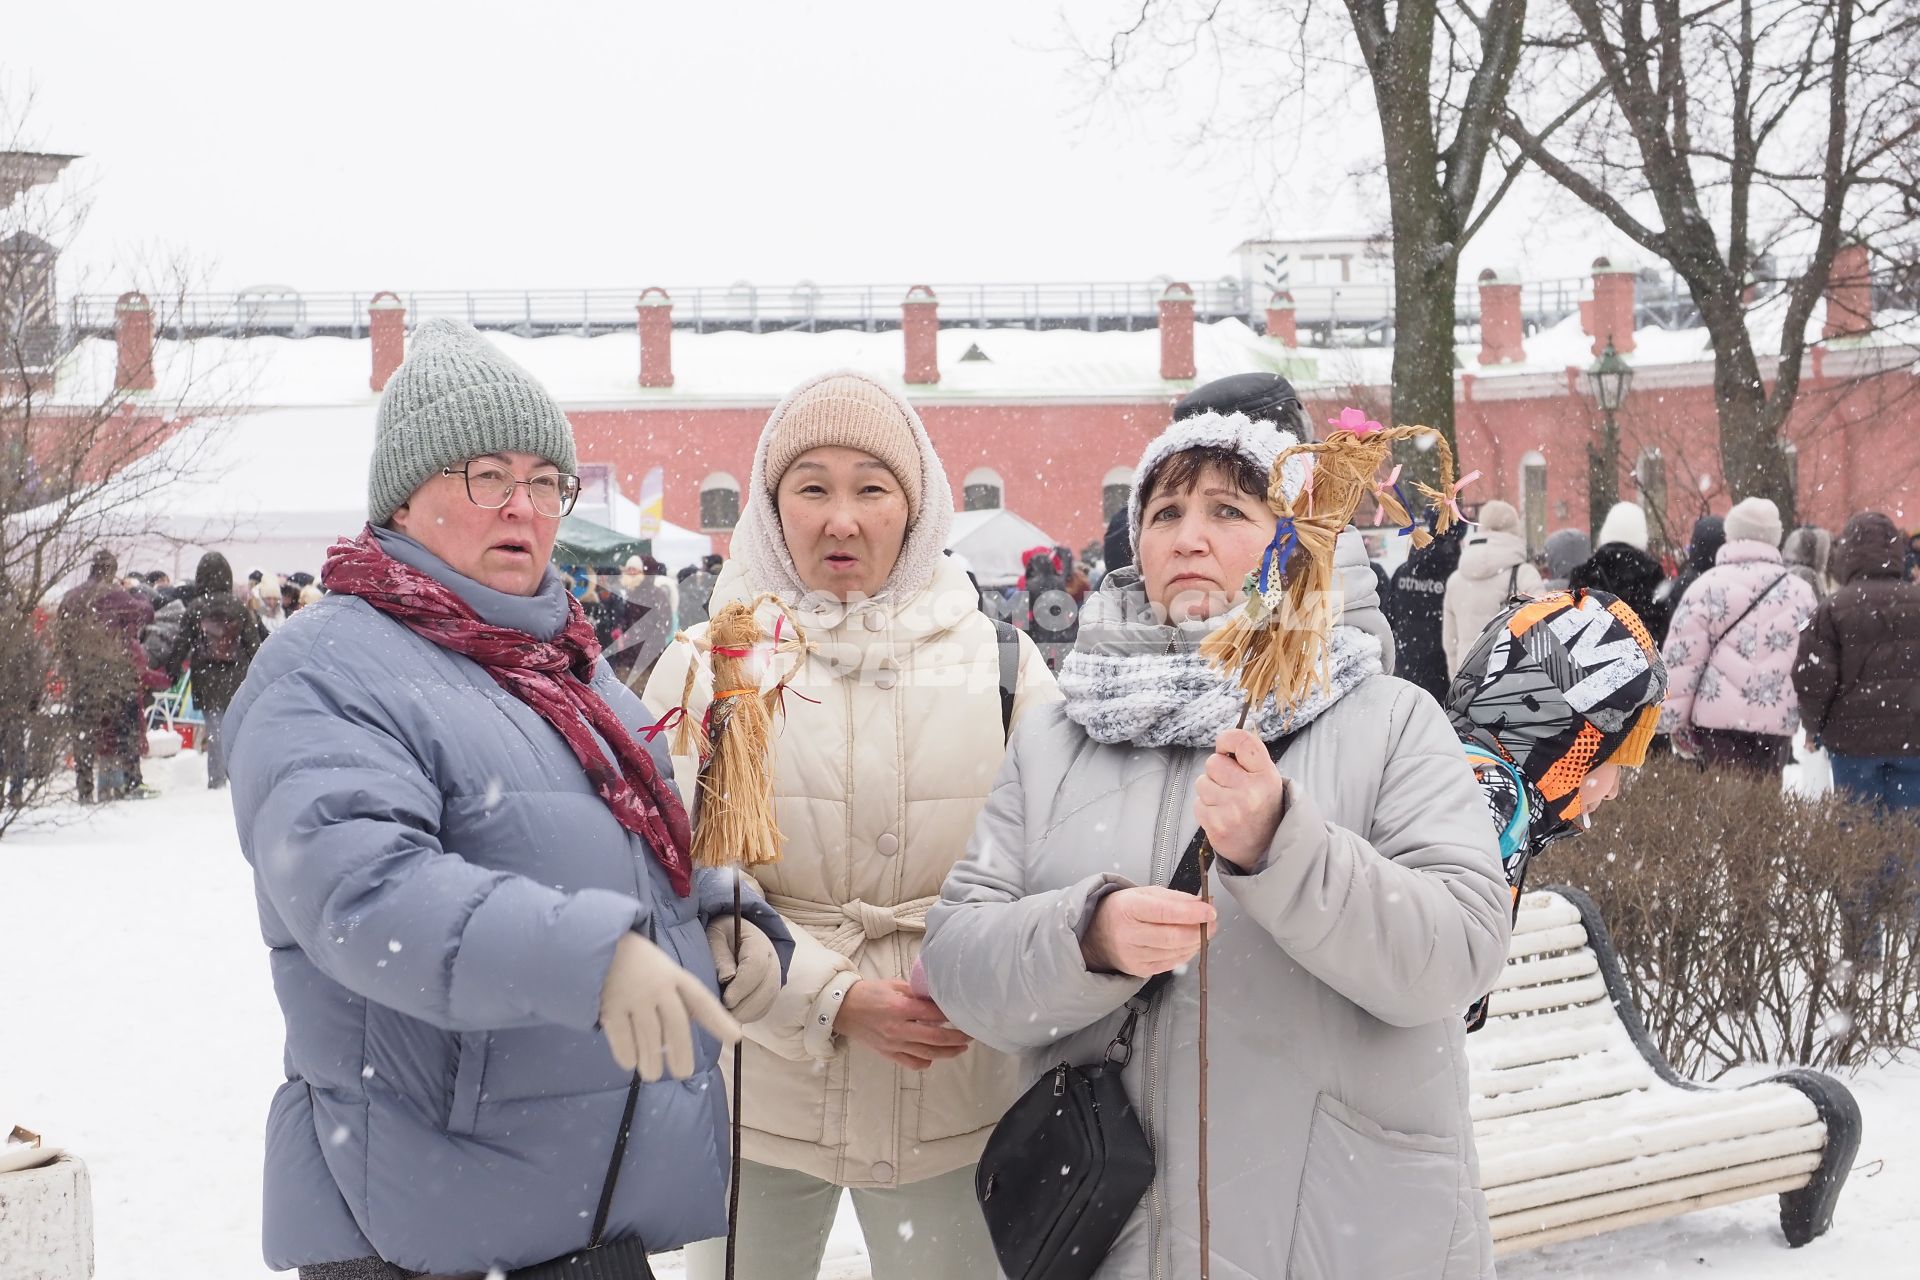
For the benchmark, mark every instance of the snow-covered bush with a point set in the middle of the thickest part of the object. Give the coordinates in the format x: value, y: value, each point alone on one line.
x: 1755, y: 927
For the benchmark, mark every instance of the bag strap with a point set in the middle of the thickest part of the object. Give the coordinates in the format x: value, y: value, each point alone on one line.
x: 1513, y: 582
x: 613, y: 1166
x: 1735, y: 625
x: 1185, y: 879
x: 1009, y: 644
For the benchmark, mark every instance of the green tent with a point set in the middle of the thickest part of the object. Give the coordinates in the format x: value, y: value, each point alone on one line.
x: 582, y: 543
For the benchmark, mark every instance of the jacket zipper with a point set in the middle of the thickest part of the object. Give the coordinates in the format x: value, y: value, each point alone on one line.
x: 1158, y: 872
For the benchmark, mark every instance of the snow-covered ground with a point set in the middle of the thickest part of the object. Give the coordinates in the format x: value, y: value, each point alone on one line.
x: 138, y: 1028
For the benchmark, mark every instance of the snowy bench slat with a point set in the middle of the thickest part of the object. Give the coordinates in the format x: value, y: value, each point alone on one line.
x: 1792, y: 1171
x: 1733, y: 1153
x: 1567, y: 1142
x: 1554, y: 995
x: 1564, y: 937
x: 1582, y: 1127
x: 1537, y: 970
x: 1784, y: 1187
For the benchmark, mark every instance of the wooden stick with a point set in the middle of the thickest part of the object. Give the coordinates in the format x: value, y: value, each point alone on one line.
x: 733, y: 1182
x: 1206, y: 895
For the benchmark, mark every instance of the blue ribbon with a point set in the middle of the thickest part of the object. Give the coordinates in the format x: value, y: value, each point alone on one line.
x: 1405, y: 506
x: 1279, y: 551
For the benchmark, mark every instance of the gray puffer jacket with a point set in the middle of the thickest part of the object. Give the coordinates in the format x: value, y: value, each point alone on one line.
x: 1341, y: 1141
x: 441, y: 890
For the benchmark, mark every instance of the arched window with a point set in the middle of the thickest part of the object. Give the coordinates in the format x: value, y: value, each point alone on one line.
x: 1650, y: 474
x: 1533, y: 499
x: 1115, y: 490
x: 983, y: 490
x: 719, y: 501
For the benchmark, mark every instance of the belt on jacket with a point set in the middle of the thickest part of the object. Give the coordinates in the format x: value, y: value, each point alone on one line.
x: 844, y: 926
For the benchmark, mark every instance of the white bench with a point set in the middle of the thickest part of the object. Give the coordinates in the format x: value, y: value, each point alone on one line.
x: 1583, y: 1127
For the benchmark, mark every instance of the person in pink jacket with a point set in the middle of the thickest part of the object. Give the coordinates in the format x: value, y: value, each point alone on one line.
x: 1731, y: 648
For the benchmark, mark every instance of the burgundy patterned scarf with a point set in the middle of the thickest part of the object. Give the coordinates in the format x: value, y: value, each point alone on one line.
x: 542, y: 674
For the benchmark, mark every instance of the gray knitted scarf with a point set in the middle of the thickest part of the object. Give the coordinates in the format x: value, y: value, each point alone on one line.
x: 1132, y: 679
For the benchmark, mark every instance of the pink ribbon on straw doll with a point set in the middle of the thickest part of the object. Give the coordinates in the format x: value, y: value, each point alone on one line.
x: 1453, y: 495
x: 1392, y: 485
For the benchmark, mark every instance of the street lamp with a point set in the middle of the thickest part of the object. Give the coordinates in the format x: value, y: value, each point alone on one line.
x: 1612, y: 377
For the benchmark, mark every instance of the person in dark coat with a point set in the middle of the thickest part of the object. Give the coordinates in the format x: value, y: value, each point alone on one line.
x: 218, y: 636
x: 1858, y: 668
x: 1118, y: 544
x: 1709, y: 535
x: 1416, y: 610
x: 1622, y: 566
x: 106, y: 675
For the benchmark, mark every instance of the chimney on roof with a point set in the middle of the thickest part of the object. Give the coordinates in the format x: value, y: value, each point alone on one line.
x: 133, y: 335
x: 1608, y: 315
x: 1280, y: 320
x: 1502, y: 333
x: 656, y: 338
x: 387, y: 322
x: 920, y: 326
x: 1849, y: 293
x: 1176, y: 333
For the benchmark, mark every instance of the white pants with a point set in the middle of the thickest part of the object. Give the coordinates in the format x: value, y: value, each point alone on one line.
x: 930, y: 1230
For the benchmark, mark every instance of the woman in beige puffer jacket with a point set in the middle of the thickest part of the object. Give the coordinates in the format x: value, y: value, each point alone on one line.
x: 882, y: 762
x: 1493, y: 569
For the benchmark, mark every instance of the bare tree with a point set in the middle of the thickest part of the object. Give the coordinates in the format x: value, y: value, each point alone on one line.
x: 91, y: 439
x: 1724, y: 137
x: 1438, y: 73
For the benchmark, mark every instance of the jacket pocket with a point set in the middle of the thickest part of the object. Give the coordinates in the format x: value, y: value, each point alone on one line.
x: 1373, y: 1202
x: 468, y: 1073
x: 781, y: 1097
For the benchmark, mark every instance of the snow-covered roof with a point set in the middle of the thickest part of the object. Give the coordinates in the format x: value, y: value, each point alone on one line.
x: 734, y: 367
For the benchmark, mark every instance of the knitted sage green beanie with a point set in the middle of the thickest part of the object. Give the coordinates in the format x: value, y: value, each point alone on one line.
x: 453, y: 398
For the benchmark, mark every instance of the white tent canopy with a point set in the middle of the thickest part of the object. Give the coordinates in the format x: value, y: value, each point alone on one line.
x: 271, y: 490
x: 992, y: 541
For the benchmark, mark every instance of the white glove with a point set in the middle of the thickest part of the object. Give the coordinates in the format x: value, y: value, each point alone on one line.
x: 750, y: 981
x: 648, y: 1007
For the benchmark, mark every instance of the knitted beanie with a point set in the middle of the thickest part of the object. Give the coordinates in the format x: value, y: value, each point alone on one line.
x: 1496, y: 516
x: 1754, y: 520
x: 1258, y: 442
x: 453, y: 398
x: 1626, y: 522
x: 854, y: 412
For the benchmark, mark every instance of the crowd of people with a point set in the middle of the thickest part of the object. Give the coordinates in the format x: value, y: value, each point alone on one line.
x: 461, y: 782
x: 119, y: 650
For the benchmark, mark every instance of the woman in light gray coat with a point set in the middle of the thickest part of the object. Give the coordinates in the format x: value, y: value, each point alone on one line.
x: 1360, y: 909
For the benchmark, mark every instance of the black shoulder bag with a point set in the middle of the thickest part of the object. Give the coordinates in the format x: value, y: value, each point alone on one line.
x: 1068, y: 1163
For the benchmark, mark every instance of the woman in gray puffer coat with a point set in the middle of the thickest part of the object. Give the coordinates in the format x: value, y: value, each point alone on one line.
x: 1360, y: 908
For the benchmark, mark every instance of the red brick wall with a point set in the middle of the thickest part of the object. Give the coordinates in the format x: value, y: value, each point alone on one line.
x: 1859, y: 447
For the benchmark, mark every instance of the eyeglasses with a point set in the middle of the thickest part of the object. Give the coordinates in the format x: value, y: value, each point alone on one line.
x: 552, y: 493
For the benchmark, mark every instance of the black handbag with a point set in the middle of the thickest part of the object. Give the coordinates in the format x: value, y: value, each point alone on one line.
x: 1066, y: 1166
x: 623, y: 1259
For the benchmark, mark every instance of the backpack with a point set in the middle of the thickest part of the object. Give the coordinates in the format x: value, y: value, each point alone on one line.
x: 219, y: 638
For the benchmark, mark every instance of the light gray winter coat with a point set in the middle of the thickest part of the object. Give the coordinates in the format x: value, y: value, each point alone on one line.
x: 1360, y: 593
x: 441, y: 889
x: 1341, y: 1146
